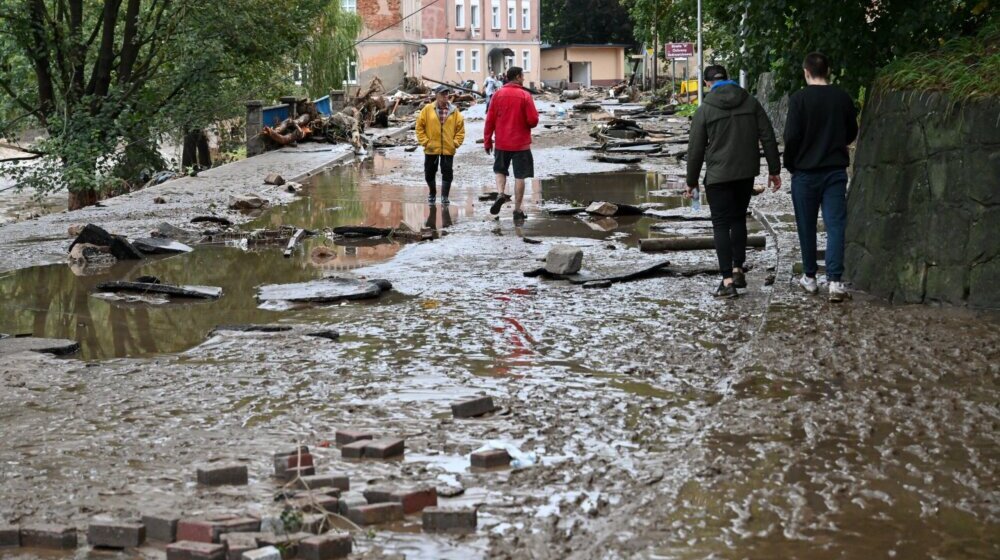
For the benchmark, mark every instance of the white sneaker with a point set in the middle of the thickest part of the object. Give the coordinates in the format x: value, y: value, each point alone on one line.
x: 809, y: 285
x: 838, y: 292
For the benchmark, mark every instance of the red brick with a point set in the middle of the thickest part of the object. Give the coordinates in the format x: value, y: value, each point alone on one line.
x: 208, y: 531
x: 376, y: 513
x: 188, y: 550
x: 115, y: 534
x: 384, y: 448
x: 47, y: 535
x: 161, y: 528
x: 292, y: 473
x: 294, y: 458
x: 340, y: 482
x: 238, y: 543
x: 473, y: 407
x: 350, y: 436
x: 438, y: 520
x: 9, y: 536
x: 354, y: 450
x: 490, y: 458
x: 412, y: 500
x: 326, y: 547
x: 219, y: 475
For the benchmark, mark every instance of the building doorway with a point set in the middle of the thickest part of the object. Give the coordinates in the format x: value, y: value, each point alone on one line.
x: 579, y: 72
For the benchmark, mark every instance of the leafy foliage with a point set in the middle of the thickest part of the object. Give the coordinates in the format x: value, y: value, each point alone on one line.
x: 586, y: 21
x: 859, y: 36
x: 965, y: 67
x: 330, y: 49
x: 106, y: 79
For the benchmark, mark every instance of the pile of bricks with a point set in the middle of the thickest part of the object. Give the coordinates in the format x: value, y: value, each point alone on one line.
x: 363, y: 445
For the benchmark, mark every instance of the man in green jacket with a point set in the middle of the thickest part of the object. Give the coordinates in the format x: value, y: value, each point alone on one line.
x: 726, y: 132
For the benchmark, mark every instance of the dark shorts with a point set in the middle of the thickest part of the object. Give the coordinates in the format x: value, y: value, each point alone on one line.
x: 524, y: 164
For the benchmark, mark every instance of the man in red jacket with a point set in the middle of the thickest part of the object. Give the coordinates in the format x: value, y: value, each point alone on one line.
x: 512, y: 115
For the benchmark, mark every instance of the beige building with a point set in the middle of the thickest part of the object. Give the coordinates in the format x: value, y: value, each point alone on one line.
x: 394, y: 50
x: 468, y: 39
x: 587, y: 65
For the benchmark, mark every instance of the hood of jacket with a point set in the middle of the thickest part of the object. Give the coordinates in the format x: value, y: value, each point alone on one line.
x: 727, y: 97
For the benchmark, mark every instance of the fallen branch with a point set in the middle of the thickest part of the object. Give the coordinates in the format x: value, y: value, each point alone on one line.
x: 691, y: 243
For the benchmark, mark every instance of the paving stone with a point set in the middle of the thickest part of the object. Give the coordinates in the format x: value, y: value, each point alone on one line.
x: 412, y: 500
x: 315, y: 503
x: 440, y: 520
x: 473, y: 407
x: 350, y: 500
x: 238, y: 543
x: 490, y: 458
x: 326, y: 547
x: 293, y: 473
x: 189, y: 550
x: 374, y: 514
x: 266, y: 553
x: 316, y: 523
x: 384, y: 448
x: 232, y: 474
x: 350, y: 436
x: 209, y: 530
x: 324, y: 480
x: 116, y: 534
x: 9, y: 536
x: 290, y: 459
x: 161, y: 528
x: 354, y: 450
x: 48, y: 535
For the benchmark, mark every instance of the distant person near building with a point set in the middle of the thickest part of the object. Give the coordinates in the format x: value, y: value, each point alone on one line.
x: 440, y: 130
x: 490, y: 87
x: 727, y: 132
x: 821, y: 124
x: 511, y: 117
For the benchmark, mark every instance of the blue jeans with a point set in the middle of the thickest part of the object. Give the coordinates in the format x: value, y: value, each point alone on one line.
x: 826, y: 189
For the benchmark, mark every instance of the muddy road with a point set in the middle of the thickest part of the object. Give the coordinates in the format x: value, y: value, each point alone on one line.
x: 666, y: 424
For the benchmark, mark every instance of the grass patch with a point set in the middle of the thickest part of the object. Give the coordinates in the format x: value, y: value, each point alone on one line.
x: 686, y: 110
x: 965, y: 67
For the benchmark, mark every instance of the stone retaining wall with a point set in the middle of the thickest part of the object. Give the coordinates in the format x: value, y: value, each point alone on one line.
x: 924, y: 204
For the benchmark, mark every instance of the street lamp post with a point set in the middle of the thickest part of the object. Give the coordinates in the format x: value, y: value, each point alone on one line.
x: 701, y: 57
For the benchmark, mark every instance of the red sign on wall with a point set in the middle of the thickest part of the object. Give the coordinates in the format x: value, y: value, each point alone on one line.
x: 680, y: 50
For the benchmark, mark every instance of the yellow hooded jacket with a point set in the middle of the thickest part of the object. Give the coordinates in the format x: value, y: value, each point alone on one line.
x: 438, y: 140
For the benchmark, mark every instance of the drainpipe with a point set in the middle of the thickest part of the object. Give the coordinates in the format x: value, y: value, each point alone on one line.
x: 701, y: 57
x: 444, y: 67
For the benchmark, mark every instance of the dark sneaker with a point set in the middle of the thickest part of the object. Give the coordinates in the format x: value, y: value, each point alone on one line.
x: 739, y: 279
x: 727, y: 292
x: 445, y: 200
x: 430, y: 200
x: 501, y: 200
x: 519, y: 216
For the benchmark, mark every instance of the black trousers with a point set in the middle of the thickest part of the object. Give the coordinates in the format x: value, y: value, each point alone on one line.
x: 430, y: 173
x: 728, y: 203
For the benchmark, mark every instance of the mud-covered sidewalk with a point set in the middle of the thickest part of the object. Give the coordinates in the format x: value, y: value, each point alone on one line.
x: 666, y: 424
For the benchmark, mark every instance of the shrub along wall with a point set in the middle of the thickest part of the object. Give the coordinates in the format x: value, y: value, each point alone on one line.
x: 924, y: 204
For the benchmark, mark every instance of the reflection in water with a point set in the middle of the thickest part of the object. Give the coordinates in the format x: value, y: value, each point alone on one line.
x: 52, y: 301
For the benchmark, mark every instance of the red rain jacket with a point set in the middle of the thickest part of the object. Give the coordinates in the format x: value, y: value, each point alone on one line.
x: 512, y: 115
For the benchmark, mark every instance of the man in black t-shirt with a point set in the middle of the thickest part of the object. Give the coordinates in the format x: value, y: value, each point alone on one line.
x: 821, y: 124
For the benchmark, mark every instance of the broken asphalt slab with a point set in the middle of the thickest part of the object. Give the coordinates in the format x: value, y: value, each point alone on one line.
x: 55, y: 346
x: 160, y: 246
x: 197, y: 292
x: 326, y: 290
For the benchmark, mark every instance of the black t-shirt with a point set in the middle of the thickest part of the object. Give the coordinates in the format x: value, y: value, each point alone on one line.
x: 821, y: 124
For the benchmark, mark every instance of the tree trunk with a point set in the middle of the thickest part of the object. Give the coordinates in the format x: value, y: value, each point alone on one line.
x: 83, y: 198
x: 195, y: 153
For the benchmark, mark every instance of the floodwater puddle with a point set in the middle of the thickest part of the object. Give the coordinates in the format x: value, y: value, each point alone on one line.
x: 54, y: 301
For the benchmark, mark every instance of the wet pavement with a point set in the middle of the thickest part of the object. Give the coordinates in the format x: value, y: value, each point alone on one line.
x: 668, y: 424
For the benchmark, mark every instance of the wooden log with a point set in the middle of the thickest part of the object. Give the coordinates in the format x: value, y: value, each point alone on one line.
x: 691, y: 243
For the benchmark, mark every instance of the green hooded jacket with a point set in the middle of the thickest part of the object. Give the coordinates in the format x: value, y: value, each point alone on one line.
x: 726, y: 133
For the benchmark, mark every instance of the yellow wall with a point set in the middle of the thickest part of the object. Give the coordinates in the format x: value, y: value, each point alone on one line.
x: 607, y: 63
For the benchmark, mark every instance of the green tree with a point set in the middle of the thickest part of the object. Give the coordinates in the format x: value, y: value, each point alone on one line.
x: 106, y: 78
x: 586, y: 21
x: 330, y: 49
x: 859, y: 36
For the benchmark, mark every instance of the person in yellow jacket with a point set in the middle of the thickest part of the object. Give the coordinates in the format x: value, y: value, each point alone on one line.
x: 440, y: 130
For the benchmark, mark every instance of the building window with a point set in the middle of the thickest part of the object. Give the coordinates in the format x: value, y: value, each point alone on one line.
x: 474, y: 59
x: 511, y: 16
x: 474, y: 13
x: 349, y: 5
x: 495, y: 13
x: 460, y: 14
x: 352, y: 72
x: 525, y: 18
x: 460, y: 60
x: 526, y: 60
x: 508, y: 62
